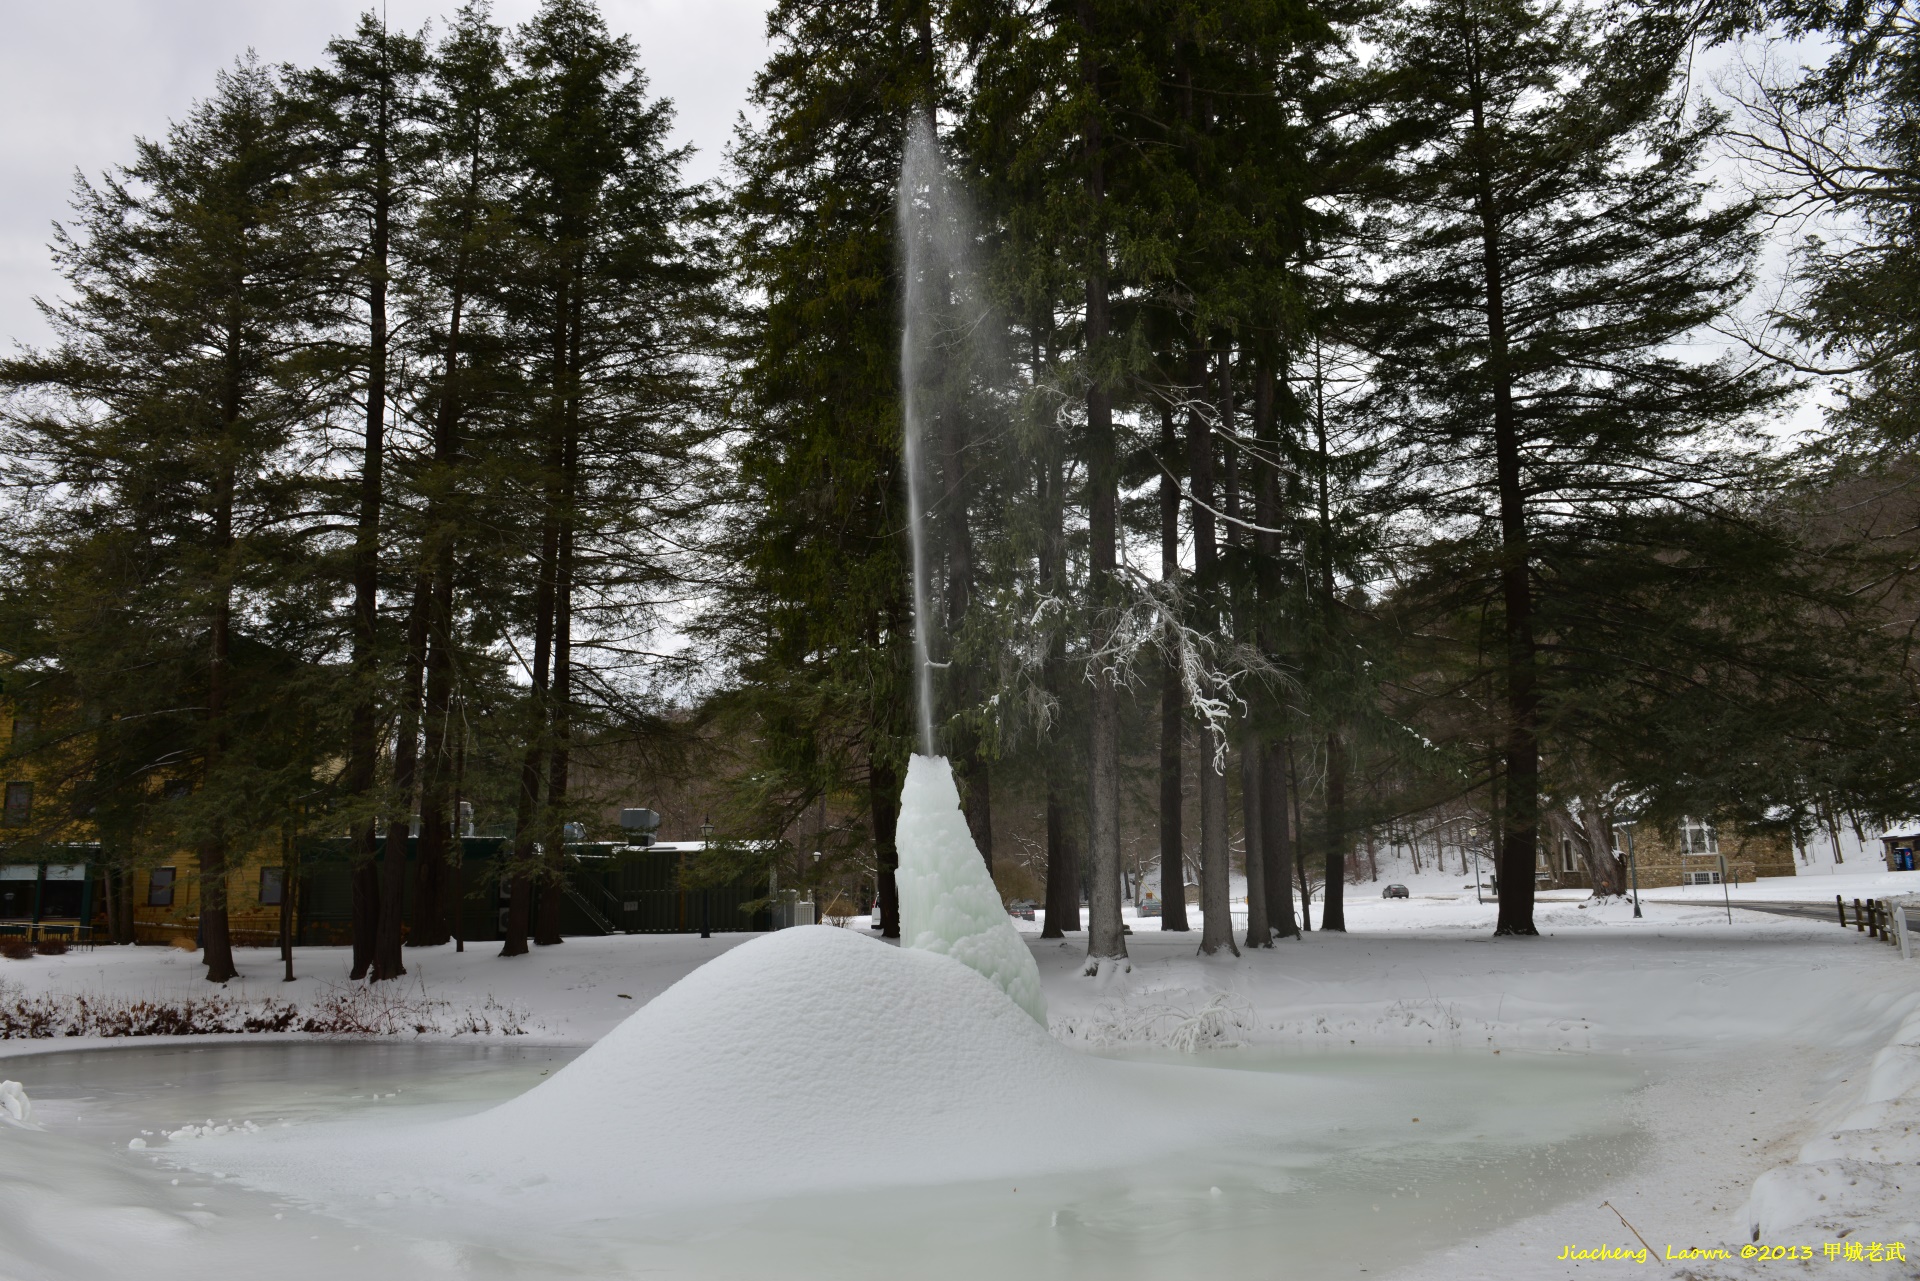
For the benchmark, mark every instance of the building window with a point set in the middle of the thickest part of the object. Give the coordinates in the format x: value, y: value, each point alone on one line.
x: 272, y: 885
x: 19, y: 811
x: 1703, y: 878
x: 1566, y: 855
x: 1698, y: 837
x: 160, y: 887
x: 22, y: 730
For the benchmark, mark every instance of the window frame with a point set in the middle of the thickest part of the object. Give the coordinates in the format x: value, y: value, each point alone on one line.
x: 1708, y: 834
x: 278, y: 877
x: 155, y: 886
x: 8, y: 810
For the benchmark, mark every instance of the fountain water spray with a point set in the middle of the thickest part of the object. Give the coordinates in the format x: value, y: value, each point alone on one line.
x: 919, y: 207
x: 948, y: 902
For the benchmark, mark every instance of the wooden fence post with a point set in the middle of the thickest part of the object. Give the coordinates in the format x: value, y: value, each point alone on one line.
x: 1859, y: 918
x: 1842, y: 905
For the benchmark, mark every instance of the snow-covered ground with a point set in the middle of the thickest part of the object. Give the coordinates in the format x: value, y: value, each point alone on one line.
x: 1668, y: 1065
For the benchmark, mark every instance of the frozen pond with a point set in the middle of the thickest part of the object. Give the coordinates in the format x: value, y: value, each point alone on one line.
x: 1497, y: 1138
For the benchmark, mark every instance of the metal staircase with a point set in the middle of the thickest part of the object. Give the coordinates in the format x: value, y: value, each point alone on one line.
x: 586, y: 906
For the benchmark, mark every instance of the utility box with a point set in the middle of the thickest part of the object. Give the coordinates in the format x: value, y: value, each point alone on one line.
x: 790, y: 909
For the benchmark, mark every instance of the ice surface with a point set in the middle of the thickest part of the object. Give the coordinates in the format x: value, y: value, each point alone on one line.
x: 948, y: 903
x: 1306, y: 1169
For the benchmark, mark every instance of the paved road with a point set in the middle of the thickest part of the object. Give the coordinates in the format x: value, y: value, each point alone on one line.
x: 1814, y: 911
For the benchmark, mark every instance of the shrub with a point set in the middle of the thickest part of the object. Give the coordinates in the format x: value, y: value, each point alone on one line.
x: 51, y: 947
x: 15, y: 948
x: 350, y: 1010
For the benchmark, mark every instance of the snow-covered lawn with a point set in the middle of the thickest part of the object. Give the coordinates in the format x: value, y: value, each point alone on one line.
x: 1773, y: 1044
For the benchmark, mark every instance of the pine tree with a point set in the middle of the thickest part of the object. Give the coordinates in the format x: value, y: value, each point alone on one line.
x: 162, y: 419
x: 363, y: 141
x: 461, y: 246
x: 613, y: 294
x: 820, y: 623
x: 1553, y: 246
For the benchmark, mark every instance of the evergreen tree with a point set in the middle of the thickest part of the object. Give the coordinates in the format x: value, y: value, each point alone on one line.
x: 157, y: 431
x: 1553, y: 248
x: 461, y: 249
x: 609, y: 308
x: 362, y: 138
x: 820, y: 623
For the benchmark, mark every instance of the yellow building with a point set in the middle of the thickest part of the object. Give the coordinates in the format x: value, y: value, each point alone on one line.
x: 53, y: 880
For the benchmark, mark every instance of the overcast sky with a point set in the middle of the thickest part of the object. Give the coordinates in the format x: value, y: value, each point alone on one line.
x: 80, y: 78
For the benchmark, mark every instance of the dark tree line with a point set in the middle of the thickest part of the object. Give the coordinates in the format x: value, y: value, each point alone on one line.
x: 388, y: 373
x: 1319, y: 401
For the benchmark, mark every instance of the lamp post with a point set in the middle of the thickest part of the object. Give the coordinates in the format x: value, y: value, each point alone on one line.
x: 706, y: 894
x: 1473, y: 834
x: 1633, y: 869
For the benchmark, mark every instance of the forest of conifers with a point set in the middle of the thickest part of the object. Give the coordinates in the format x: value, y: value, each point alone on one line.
x: 1367, y: 408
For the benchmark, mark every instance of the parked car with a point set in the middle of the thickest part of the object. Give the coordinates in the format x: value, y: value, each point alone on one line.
x: 1022, y: 908
x: 1395, y: 891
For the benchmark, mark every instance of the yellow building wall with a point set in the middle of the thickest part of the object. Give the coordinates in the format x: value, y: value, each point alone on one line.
x: 250, y: 922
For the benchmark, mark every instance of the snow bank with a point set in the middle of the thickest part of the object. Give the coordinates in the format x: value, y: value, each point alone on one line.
x: 1855, y: 1179
x: 806, y: 1060
x: 948, y: 902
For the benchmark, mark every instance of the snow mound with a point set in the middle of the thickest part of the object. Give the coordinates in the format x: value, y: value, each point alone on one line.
x: 948, y: 903
x: 15, y: 1106
x: 807, y: 1060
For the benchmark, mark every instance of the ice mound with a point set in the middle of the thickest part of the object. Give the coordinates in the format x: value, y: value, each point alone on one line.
x: 948, y: 902
x: 808, y: 1060
x: 15, y: 1106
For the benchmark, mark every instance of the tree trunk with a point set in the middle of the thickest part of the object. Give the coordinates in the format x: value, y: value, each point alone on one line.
x: 1263, y: 754
x: 1259, y: 933
x: 289, y: 877
x: 1604, y: 868
x: 520, y: 882
x: 1333, y: 907
x: 1277, y: 840
x: 1216, y: 889
x: 883, y: 798
x: 215, y: 940
x: 387, y: 960
x: 363, y: 730
x: 565, y: 497
x: 1106, y: 936
x: 364, y: 888
x: 1063, y: 869
x: 1333, y: 914
x: 553, y: 883
x: 977, y: 789
x: 1520, y: 816
x: 1173, y: 878
x: 436, y: 822
x: 1299, y: 826
x: 1216, y: 921
x: 435, y: 900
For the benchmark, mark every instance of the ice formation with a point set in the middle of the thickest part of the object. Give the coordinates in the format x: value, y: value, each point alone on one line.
x: 948, y: 903
x: 15, y: 1106
x: 803, y: 1061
